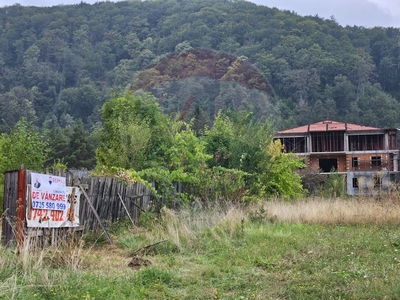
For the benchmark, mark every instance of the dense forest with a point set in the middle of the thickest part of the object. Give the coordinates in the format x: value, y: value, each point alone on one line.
x: 60, y: 64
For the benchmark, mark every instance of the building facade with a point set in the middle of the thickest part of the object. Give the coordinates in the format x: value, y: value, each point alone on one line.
x: 368, y: 156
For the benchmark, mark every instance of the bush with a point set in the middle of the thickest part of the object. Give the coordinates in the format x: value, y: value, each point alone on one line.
x: 334, y: 187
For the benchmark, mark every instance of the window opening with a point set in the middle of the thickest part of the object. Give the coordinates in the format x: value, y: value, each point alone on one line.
x: 355, y: 162
x: 376, y: 161
x: 355, y: 182
x: 366, y: 142
x: 327, y: 164
x: 327, y: 141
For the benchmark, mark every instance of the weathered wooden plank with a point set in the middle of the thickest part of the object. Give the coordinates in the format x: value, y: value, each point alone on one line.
x: 101, y: 195
x: 115, y: 205
x: 124, y: 191
x: 138, y: 191
x: 97, y: 216
x: 147, y: 195
x: 126, y: 209
x: 10, y: 204
x: 96, y: 201
x: 112, y: 209
x: 104, y: 201
x: 93, y: 196
x: 110, y: 203
x: 85, y: 210
x: 130, y: 190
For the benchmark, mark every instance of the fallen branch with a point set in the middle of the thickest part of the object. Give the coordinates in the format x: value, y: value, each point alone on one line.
x: 136, y: 204
x: 148, y: 246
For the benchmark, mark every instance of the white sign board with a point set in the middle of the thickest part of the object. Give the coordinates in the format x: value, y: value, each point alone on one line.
x: 50, y: 202
x: 48, y: 192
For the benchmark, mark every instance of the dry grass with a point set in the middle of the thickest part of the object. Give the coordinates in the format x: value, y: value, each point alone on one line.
x: 220, y: 252
x: 337, y: 211
x: 182, y: 227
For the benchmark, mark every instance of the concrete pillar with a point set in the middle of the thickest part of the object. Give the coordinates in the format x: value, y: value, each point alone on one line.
x: 386, y: 142
x: 309, y: 145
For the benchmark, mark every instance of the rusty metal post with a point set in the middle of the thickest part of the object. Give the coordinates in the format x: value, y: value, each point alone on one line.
x: 20, y: 226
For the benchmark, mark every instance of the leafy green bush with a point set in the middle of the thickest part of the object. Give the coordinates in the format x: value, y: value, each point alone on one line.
x: 279, y: 176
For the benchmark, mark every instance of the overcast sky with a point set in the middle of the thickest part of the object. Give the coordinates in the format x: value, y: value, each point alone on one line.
x: 367, y: 13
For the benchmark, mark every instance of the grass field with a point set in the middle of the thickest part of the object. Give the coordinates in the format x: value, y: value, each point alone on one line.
x: 314, y: 249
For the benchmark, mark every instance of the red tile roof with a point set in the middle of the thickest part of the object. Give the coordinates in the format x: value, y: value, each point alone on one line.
x: 328, y: 125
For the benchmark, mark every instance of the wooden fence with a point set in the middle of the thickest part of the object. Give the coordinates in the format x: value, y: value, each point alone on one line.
x: 107, y: 196
x: 104, y: 201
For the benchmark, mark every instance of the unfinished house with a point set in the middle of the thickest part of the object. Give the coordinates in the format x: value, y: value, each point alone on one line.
x: 368, y: 156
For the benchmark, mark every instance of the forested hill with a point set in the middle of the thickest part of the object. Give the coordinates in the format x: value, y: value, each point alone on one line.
x: 60, y: 64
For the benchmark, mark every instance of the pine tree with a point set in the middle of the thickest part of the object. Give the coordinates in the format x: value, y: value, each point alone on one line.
x: 81, y: 149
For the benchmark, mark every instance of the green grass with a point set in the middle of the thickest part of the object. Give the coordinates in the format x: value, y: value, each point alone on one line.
x: 216, y: 254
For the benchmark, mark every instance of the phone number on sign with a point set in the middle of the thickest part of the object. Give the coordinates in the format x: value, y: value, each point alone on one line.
x: 48, y: 205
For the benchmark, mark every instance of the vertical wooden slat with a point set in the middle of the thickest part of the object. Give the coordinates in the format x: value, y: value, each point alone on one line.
x: 95, y: 213
x: 108, y: 215
x: 126, y: 209
x: 116, y: 205
x: 132, y: 208
x: 93, y: 197
x: 128, y: 193
x: 10, y: 204
x: 103, y: 200
x: 96, y: 200
x: 123, y: 190
x: 114, y: 216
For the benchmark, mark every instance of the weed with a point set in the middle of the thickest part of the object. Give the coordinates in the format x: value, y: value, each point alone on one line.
x: 153, y: 276
x: 147, y: 219
x: 260, y: 215
x: 120, y: 226
x: 95, y: 237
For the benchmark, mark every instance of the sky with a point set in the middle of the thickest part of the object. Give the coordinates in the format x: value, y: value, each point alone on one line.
x: 367, y: 13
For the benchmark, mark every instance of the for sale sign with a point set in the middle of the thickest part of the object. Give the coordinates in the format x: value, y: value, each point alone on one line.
x: 52, y: 203
x: 48, y: 192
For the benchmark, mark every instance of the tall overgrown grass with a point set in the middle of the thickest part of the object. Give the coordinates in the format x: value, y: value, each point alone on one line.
x: 186, y: 224
x: 335, y: 211
x: 30, y: 268
x: 307, y: 249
